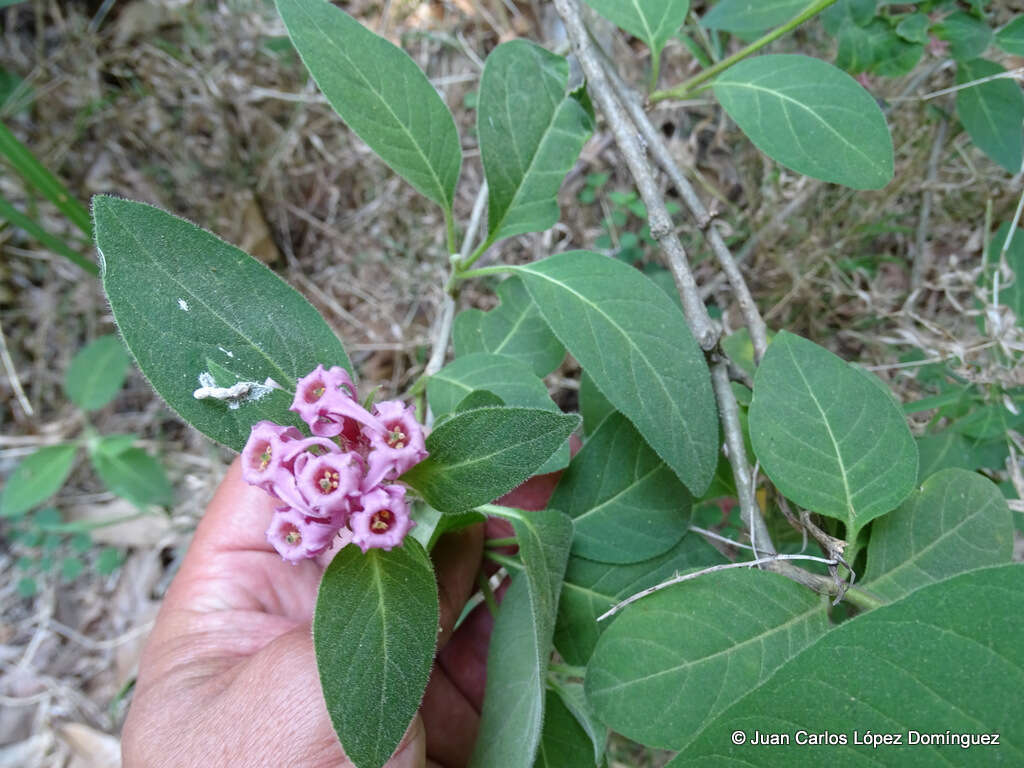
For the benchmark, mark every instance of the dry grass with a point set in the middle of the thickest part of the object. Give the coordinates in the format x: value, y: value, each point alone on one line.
x: 201, y: 109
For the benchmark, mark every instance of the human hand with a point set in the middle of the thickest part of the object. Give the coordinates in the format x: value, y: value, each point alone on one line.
x: 228, y: 676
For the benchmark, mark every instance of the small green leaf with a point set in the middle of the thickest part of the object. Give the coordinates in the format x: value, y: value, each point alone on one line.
x: 748, y: 17
x: 514, y: 328
x: 1011, y: 37
x: 810, y: 117
x: 381, y: 94
x: 81, y: 542
x: 914, y: 28
x: 70, y: 568
x: 508, y: 378
x: 944, y: 660
x: 112, y: 445
x: 531, y: 131
x: 967, y: 35
x: 956, y: 522
x: 575, y: 700
x: 991, y: 112
x: 97, y: 373
x: 626, y: 504
x: 517, y: 661
x: 635, y: 344
x: 563, y: 741
x: 672, y: 662
x: 828, y: 435
x: 653, y: 21
x: 134, y: 475
x: 26, y: 587
x: 183, y: 297
x: 36, y: 478
x: 989, y: 422
x: 432, y: 525
x: 877, y: 49
x: 479, y: 455
x: 859, y: 12
x: 591, y: 588
x: 374, y: 632
x: 1011, y: 292
x: 109, y: 560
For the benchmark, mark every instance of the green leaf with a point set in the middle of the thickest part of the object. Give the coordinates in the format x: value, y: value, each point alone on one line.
x: 810, y: 117
x: 672, y: 662
x: 594, y: 406
x: 563, y: 741
x: 653, y: 21
x: 26, y: 587
x: 511, y: 380
x: 70, y: 568
x: 39, y: 475
x: 55, y: 244
x: 531, y: 131
x: 374, y: 632
x: 28, y: 166
x: 109, y: 560
x: 626, y: 504
x: 859, y: 12
x: 183, y: 297
x: 635, y: 344
x: 945, y: 659
x: 134, y: 475
x: 991, y: 112
x: 942, y: 451
x: 591, y: 588
x: 828, y: 435
x: 575, y: 701
x: 876, y: 48
x: 111, y: 445
x: 381, y: 94
x: 479, y: 398
x: 956, y: 522
x: 748, y: 17
x: 97, y: 373
x: 988, y: 422
x: 967, y: 35
x: 517, y: 661
x: 1011, y: 37
x: 479, y: 455
x: 514, y: 328
x: 914, y: 28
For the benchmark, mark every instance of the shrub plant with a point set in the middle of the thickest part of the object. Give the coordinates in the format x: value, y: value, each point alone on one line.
x: 658, y: 636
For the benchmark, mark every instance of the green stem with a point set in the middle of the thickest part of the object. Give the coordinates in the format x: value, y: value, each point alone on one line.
x: 567, y: 670
x: 497, y: 269
x: 511, y: 541
x: 510, y: 563
x: 686, y: 88
x: 862, y: 600
x: 472, y: 258
x: 655, y: 69
x: 449, y: 225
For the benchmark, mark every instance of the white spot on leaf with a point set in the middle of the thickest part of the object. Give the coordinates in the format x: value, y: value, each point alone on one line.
x: 183, y: 305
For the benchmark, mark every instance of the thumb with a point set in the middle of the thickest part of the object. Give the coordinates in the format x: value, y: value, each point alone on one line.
x: 280, y: 685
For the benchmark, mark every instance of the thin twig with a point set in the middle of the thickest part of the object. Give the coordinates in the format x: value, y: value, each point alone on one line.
x: 1014, y: 74
x: 760, y: 539
x: 704, y: 329
x: 679, y: 578
x: 12, y: 375
x: 704, y: 221
x: 920, y: 257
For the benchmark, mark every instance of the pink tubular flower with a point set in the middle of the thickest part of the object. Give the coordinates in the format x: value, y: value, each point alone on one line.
x: 383, y: 521
x: 397, y: 447
x: 326, y: 401
x: 296, y: 537
x: 264, y: 454
x: 327, y: 481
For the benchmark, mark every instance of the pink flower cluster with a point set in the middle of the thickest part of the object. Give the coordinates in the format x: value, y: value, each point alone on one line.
x: 341, y: 477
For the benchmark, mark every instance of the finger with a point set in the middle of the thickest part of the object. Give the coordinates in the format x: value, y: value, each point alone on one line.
x: 456, y: 559
x: 450, y: 721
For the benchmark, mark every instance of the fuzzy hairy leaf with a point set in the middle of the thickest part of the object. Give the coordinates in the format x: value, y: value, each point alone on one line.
x: 531, y: 130
x: 378, y: 90
x: 478, y: 455
x: 811, y: 117
x: 635, y: 344
x: 183, y: 299
x: 374, y: 633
